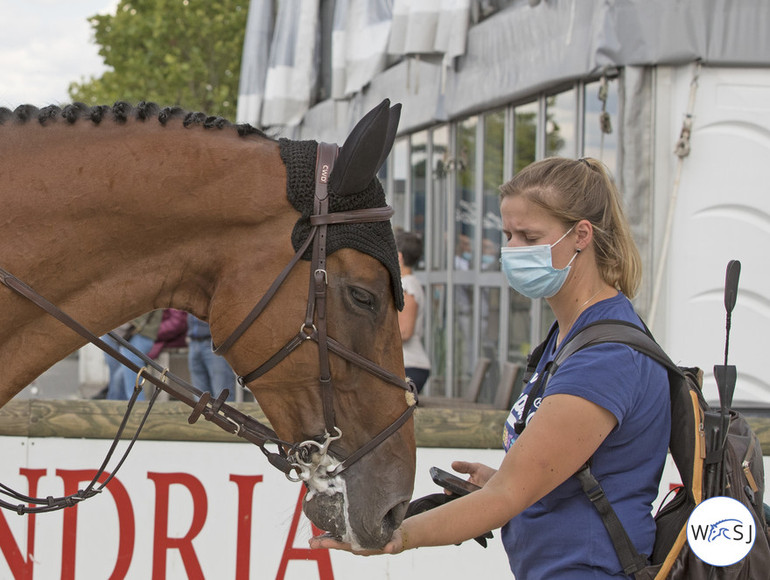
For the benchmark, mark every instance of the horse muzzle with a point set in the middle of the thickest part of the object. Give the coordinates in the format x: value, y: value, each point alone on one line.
x: 357, y: 507
x: 367, y: 529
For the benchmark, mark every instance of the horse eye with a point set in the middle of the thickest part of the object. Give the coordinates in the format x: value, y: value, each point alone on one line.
x: 362, y: 297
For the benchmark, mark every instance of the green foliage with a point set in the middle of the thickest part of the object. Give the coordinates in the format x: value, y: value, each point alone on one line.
x: 525, y: 139
x: 494, y: 138
x: 172, y: 52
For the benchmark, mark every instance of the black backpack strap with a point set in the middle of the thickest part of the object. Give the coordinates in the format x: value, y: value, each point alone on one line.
x: 617, y: 331
x: 537, y: 353
x: 535, y: 392
x: 631, y: 560
x: 532, y: 361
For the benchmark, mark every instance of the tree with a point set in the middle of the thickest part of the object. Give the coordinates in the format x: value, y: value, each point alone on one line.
x: 172, y: 52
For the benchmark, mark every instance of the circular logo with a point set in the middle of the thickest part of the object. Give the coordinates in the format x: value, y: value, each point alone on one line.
x: 721, y: 531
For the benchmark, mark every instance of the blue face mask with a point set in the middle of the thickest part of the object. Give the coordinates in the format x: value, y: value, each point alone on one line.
x: 530, y: 271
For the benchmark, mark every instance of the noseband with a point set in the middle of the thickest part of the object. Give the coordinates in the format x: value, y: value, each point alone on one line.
x: 314, y: 328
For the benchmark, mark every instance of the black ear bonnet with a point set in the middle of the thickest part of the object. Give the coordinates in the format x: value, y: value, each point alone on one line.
x: 352, y: 185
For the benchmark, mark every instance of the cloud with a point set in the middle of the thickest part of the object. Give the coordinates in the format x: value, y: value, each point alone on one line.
x: 44, y: 46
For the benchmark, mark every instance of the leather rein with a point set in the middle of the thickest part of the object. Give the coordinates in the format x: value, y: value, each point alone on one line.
x: 299, y: 461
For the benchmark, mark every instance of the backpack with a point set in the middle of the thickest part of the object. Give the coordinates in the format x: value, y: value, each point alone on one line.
x: 706, y: 469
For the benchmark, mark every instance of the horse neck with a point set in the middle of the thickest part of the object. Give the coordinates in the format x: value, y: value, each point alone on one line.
x: 131, y: 219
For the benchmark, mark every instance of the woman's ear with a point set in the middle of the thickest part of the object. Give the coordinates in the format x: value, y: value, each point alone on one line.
x: 585, y: 235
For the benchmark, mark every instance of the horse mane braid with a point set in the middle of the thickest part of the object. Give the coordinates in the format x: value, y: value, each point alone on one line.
x: 120, y: 112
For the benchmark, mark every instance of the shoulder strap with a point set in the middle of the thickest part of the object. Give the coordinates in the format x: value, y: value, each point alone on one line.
x: 631, y: 560
x: 618, y: 331
x: 537, y: 353
x: 622, y: 332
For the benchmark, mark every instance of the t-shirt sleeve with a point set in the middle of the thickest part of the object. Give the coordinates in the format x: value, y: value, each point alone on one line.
x: 406, y: 284
x: 605, y: 374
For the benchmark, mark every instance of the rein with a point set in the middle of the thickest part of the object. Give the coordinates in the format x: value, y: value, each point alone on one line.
x: 296, y: 460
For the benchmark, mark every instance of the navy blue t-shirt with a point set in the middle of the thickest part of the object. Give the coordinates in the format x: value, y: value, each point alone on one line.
x: 562, y: 535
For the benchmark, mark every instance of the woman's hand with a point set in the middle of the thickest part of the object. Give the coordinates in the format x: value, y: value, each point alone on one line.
x: 396, y: 545
x: 479, y: 473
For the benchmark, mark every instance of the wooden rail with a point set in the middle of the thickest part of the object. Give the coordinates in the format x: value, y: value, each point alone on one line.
x: 460, y: 427
x: 82, y: 418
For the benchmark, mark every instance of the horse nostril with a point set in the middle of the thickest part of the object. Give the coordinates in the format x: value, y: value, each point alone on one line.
x: 394, y: 517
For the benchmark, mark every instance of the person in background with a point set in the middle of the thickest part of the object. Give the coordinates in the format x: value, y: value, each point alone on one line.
x: 208, y: 371
x: 112, y: 364
x: 171, y: 333
x: 141, y: 333
x: 463, y: 252
x: 490, y: 255
x: 568, y: 242
x: 411, y: 318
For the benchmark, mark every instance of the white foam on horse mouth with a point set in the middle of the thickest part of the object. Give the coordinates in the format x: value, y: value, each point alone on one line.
x: 316, y: 475
x: 319, y: 482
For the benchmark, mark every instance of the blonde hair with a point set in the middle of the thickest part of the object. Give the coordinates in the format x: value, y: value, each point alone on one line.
x: 575, y: 190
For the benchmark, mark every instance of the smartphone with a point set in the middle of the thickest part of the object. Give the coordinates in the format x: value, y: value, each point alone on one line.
x: 452, y: 482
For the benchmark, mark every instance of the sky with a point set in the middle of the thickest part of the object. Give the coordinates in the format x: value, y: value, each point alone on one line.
x: 44, y: 46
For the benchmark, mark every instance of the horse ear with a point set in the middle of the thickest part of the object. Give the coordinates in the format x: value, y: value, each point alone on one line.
x: 390, y: 137
x: 365, y: 149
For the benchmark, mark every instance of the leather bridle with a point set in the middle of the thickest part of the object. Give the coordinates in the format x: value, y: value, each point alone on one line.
x: 315, y: 325
x: 299, y: 461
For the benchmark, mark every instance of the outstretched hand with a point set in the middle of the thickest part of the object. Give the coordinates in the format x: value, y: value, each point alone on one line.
x: 394, y: 546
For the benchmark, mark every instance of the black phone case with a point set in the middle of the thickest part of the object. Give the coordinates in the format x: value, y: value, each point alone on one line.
x: 452, y: 482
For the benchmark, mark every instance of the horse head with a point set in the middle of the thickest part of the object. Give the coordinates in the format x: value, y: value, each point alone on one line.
x: 353, y: 430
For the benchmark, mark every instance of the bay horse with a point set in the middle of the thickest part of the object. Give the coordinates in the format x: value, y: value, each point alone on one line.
x: 111, y: 212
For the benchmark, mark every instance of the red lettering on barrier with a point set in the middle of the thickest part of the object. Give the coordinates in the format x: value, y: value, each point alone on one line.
x: 161, y: 543
x: 245, y: 485
x: 72, y: 478
x: 321, y: 557
x: 21, y: 568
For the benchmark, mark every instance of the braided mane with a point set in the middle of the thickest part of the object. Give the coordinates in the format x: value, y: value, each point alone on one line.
x: 120, y: 112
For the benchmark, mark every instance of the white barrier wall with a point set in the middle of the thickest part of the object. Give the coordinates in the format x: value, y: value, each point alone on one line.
x: 202, y: 510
